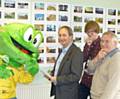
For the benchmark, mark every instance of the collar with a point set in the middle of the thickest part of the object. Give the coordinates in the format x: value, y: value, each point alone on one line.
x: 111, y: 53
x: 66, y: 48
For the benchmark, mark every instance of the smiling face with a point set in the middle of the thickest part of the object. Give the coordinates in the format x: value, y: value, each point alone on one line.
x: 20, y: 42
x: 28, y: 43
x: 64, y: 38
x: 25, y: 36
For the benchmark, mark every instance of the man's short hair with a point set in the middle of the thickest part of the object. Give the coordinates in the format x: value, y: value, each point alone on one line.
x: 70, y: 32
x: 112, y: 34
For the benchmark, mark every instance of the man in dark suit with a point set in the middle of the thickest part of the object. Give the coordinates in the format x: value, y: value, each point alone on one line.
x: 68, y: 67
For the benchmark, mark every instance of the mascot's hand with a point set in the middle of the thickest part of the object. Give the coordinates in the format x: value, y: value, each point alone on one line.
x: 5, y: 73
x: 4, y: 58
x: 32, y: 66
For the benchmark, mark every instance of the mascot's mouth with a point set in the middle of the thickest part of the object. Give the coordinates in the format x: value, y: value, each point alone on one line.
x: 20, y: 47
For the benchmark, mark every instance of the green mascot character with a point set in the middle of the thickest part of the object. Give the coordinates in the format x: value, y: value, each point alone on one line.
x: 18, y: 56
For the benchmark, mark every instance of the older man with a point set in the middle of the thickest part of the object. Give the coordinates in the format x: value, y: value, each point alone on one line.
x: 106, y: 80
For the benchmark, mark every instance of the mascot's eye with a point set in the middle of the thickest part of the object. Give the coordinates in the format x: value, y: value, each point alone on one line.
x: 37, y: 40
x: 28, y: 35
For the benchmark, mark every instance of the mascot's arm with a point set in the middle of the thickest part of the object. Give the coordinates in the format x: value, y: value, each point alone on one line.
x: 32, y: 66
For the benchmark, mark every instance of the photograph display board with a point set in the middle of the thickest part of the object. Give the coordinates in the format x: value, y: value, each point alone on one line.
x: 47, y: 17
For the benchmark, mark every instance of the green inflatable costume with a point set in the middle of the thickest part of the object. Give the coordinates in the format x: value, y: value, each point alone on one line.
x: 19, y: 46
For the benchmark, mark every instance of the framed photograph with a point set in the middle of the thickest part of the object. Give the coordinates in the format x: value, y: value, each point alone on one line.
x: 78, y: 9
x: 112, y: 30
x: 99, y: 10
x: 39, y: 27
x: 41, y: 50
x: 77, y: 29
x: 51, y: 39
x: 99, y: 20
x: 50, y: 59
x: 118, y: 31
x: 51, y: 49
x: 63, y: 18
x: 51, y: 27
x: 63, y: 7
x: 39, y: 6
x: 77, y: 39
x: 9, y: 4
x: 119, y: 42
x: 51, y: 7
x: 112, y: 12
x: 51, y: 17
x: 22, y: 16
x: 118, y: 21
x: 9, y: 15
x: 86, y: 19
x: 111, y: 21
x: 0, y: 3
x: 0, y: 14
x: 41, y: 60
x: 89, y: 10
x: 39, y: 17
x: 101, y: 29
x: 118, y: 12
x: 23, y: 5
x: 77, y: 18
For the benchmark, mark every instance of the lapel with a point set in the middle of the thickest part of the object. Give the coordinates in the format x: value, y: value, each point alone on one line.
x: 66, y: 57
x: 55, y: 62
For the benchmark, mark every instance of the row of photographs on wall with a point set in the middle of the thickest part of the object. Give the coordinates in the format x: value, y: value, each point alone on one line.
x: 62, y: 17
x: 56, y: 7
x: 40, y: 18
x: 52, y: 28
x: 52, y: 17
x: 47, y: 60
x: 52, y: 38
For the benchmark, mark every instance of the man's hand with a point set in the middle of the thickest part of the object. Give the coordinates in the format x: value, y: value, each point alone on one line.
x: 102, y: 53
x: 53, y: 79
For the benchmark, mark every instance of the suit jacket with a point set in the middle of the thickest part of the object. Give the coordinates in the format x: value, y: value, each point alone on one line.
x: 68, y: 75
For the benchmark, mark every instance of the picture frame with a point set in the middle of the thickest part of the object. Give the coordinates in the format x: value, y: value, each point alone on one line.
x: 39, y: 6
x: 23, y: 5
x: 9, y: 4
